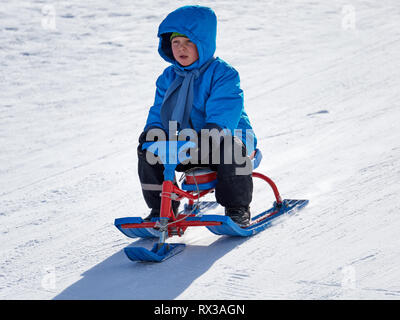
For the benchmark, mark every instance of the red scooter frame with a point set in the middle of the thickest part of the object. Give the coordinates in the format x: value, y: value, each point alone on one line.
x: 178, y: 225
x: 168, y: 225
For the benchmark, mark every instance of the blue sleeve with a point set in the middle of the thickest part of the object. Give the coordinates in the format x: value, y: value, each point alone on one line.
x: 154, y: 118
x: 225, y: 104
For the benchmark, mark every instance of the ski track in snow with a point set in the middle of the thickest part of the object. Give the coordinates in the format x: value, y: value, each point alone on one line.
x: 323, y: 100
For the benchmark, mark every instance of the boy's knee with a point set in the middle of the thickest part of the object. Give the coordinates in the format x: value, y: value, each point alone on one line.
x: 234, y: 157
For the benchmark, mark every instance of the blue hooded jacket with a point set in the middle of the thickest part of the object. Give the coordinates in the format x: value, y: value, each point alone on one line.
x: 218, y: 98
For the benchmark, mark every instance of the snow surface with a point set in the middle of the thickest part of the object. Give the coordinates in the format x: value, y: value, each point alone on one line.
x: 322, y: 88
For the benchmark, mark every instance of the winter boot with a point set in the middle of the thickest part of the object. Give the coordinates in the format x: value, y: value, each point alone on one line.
x: 154, y: 213
x: 241, y: 216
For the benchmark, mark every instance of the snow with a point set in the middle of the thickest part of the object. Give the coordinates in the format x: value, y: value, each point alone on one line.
x: 322, y: 90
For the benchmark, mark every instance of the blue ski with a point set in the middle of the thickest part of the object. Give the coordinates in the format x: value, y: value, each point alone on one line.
x: 221, y: 225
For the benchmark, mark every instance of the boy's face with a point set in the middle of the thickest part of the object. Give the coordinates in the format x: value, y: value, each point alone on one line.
x: 184, y: 51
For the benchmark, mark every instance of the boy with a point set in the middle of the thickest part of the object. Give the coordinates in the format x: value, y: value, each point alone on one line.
x: 199, y: 92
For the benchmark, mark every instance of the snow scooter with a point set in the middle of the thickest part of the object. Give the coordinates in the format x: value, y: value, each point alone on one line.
x: 197, y: 183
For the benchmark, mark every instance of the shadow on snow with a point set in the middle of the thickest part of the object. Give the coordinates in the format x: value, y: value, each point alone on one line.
x: 119, y: 278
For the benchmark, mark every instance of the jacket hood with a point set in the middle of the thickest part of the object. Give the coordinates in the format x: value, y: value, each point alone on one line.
x: 198, y: 23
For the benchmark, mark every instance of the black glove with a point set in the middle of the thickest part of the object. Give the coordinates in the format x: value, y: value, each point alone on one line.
x: 150, y: 135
